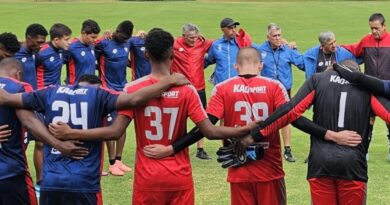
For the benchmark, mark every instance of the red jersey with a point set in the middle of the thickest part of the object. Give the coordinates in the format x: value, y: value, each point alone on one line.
x: 241, y: 100
x: 189, y: 60
x: 162, y: 121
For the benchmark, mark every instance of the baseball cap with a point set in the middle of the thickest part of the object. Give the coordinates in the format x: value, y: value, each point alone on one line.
x: 226, y: 22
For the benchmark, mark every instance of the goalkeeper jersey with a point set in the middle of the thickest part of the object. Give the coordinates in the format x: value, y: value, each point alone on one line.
x: 240, y: 101
x: 337, y: 105
x: 162, y: 121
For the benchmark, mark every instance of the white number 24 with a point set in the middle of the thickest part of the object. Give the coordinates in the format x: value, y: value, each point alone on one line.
x: 69, y: 112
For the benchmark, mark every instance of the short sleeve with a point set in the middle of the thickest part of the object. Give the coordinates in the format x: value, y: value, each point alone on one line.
x: 195, y: 109
x: 108, y: 99
x: 36, y: 100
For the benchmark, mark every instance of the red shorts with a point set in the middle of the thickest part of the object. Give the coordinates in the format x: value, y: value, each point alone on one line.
x: 329, y: 191
x: 183, y: 197
x: 248, y: 193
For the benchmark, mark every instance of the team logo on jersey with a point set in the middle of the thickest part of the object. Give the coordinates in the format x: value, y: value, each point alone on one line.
x: 55, y: 151
x: 263, y: 55
x: 93, y: 52
x: 170, y: 94
x: 320, y: 63
x: 114, y: 51
x: 181, y: 49
x: 126, y: 49
x: 51, y: 59
x: 246, y: 89
x: 338, y: 79
x: 24, y: 59
x: 219, y: 48
x: 142, y: 49
x: 2, y: 85
x: 82, y: 53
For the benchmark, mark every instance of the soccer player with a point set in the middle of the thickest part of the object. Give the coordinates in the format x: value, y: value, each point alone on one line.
x: 161, y: 121
x: 336, y: 174
x: 139, y: 64
x: 373, y: 48
x: 67, y: 181
x: 9, y: 45
x: 51, y: 57
x: 35, y: 38
x: 189, y: 51
x: 16, y: 186
x: 112, y: 55
x: 278, y: 58
x: 81, y: 58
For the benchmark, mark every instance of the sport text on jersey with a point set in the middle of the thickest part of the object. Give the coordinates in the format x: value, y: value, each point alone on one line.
x: 69, y: 91
x: 170, y: 94
x: 2, y: 85
x: 246, y: 89
x: 338, y: 79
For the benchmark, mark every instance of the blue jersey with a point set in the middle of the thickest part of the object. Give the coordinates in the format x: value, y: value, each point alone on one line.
x: 49, y: 62
x: 81, y: 61
x: 82, y: 107
x: 139, y: 64
x: 113, y: 58
x: 13, y: 161
x: 29, y: 67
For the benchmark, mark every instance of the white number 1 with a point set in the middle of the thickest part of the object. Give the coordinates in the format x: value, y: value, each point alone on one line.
x: 343, y: 101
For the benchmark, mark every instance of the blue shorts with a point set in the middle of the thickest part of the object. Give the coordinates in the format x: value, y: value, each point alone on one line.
x: 67, y: 198
x: 17, y: 190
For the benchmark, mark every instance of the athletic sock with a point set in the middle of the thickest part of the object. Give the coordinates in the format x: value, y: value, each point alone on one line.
x: 112, y: 161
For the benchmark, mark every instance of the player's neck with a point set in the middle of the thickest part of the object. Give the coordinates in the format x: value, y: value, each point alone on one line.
x: 160, y: 70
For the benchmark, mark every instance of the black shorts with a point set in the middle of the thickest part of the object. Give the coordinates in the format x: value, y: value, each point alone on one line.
x: 17, y: 190
x: 202, y: 96
x: 67, y: 198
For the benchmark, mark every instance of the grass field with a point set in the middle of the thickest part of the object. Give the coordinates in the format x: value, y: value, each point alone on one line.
x: 301, y: 22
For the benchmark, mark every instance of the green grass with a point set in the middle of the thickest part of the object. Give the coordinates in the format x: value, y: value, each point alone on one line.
x: 301, y: 22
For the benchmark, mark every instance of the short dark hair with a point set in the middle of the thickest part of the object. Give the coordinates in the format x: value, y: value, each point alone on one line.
x: 10, y: 42
x: 11, y: 63
x: 126, y: 28
x: 90, y: 26
x: 59, y: 30
x: 91, y: 79
x: 377, y: 17
x: 158, y: 44
x: 35, y: 30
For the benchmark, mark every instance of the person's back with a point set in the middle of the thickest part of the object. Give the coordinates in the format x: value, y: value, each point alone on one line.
x: 241, y: 100
x: 335, y: 105
x: 82, y: 107
x: 12, y: 157
x: 161, y: 121
x: 139, y: 64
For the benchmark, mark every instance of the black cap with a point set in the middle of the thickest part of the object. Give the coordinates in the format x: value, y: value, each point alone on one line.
x: 226, y: 22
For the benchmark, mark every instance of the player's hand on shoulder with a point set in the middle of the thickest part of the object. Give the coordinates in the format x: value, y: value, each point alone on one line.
x: 107, y: 35
x: 73, y: 149
x: 60, y: 130
x: 158, y: 151
x: 5, y: 133
x: 178, y: 79
x: 141, y: 34
x: 345, y: 137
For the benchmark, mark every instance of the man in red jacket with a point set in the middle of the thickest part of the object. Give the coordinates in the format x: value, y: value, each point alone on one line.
x: 189, y: 51
x: 374, y: 48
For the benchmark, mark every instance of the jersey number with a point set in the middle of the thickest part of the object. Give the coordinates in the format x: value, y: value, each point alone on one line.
x: 251, y: 111
x: 343, y: 101
x: 157, y: 121
x: 69, y: 113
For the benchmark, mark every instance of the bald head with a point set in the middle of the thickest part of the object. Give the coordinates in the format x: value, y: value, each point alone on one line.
x: 351, y: 64
x: 11, y: 67
x: 248, y: 55
x: 248, y: 61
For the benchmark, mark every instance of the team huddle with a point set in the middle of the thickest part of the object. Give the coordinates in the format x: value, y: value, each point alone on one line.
x: 252, y: 98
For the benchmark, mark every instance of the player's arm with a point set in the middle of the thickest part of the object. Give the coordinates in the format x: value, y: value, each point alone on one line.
x: 159, y: 151
x: 297, y: 59
x: 143, y: 95
x: 11, y: 100
x: 381, y: 107
x: 369, y: 83
x: 38, y: 129
x: 113, y: 132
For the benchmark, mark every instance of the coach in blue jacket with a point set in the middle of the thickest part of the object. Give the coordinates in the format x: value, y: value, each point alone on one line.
x: 318, y: 58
